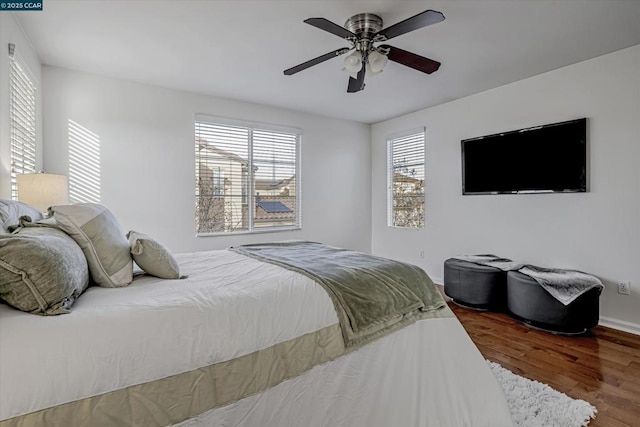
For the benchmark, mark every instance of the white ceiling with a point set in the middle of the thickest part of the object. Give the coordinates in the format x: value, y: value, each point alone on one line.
x: 239, y: 49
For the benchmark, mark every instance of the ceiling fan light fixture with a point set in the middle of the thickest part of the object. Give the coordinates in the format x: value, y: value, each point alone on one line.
x: 377, y: 61
x: 363, y: 31
x: 353, y: 62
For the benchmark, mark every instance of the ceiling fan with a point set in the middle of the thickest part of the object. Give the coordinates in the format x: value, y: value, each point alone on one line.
x: 363, y: 31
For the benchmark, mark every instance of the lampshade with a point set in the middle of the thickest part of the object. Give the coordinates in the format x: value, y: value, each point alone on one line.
x: 42, y: 190
x: 353, y: 62
x: 377, y: 61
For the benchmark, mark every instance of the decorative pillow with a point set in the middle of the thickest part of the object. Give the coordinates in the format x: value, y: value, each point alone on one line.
x: 153, y: 257
x: 96, y: 231
x: 11, y: 211
x: 42, y: 270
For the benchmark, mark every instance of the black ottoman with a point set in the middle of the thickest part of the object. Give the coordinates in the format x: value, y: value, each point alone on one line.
x: 530, y: 303
x: 474, y: 285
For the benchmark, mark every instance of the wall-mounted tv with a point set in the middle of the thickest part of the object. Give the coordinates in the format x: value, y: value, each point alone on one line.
x: 543, y: 159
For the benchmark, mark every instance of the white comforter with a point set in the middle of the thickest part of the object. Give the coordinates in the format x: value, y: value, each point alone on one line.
x: 230, y: 306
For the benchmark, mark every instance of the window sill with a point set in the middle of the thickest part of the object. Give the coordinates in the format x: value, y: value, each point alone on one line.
x: 242, y: 233
x: 408, y: 229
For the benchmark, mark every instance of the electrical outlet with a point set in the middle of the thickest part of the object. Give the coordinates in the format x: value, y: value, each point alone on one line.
x: 624, y: 288
x: 421, y: 254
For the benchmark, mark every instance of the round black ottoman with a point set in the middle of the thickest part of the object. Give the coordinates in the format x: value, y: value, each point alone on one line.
x: 530, y: 303
x: 474, y: 285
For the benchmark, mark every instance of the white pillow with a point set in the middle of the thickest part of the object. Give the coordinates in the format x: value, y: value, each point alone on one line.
x: 11, y: 211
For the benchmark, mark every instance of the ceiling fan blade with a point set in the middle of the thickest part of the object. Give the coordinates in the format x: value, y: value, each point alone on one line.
x: 428, y: 17
x: 325, y: 24
x: 411, y: 60
x: 357, y: 84
x: 316, y: 61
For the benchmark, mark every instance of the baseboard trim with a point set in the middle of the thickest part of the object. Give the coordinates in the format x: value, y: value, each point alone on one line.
x: 621, y: 325
x: 608, y: 322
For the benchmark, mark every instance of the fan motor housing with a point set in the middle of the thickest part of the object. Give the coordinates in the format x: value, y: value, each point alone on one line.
x: 364, y: 25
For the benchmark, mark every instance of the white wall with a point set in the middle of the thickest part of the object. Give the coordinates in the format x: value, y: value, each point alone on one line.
x: 598, y: 231
x: 147, y: 161
x: 11, y: 32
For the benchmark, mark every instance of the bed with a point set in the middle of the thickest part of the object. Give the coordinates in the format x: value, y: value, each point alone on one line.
x: 238, y: 342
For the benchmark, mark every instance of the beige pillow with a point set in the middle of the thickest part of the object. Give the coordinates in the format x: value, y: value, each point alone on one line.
x: 97, y: 232
x: 42, y: 270
x: 153, y: 257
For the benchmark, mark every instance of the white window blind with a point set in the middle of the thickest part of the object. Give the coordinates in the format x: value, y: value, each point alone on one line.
x: 246, y: 177
x: 22, y: 118
x: 405, y: 180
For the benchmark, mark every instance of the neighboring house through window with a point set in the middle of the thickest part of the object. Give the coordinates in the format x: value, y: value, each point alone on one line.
x: 246, y: 177
x: 405, y: 179
x: 22, y: 122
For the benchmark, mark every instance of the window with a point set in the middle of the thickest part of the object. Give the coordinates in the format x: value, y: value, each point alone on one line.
x: 22, y: 123
x: 247, y: 177
x: 405, y: 180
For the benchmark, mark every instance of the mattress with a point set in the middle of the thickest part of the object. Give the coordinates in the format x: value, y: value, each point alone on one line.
x: 232, y: 307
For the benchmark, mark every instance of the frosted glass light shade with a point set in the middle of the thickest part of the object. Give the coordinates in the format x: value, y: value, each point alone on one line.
x: 353, y: 62
x: 42, y: 190
x: 377, y: 61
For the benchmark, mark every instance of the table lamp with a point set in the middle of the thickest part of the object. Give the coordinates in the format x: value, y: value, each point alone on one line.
x: 42, y: 190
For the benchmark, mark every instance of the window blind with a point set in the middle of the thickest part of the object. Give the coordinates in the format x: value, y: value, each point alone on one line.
x: 22, y: 118
x: 405, y: 179
x: 246, y: 178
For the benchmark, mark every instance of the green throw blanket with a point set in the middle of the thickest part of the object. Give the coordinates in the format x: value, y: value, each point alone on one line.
x: 372, y: 296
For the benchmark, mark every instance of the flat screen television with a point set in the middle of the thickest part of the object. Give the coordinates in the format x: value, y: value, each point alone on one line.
x: 543, y: 159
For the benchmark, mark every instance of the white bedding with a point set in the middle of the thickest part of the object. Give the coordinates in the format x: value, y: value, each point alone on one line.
x: 428, y: 374
x: 230, y: 306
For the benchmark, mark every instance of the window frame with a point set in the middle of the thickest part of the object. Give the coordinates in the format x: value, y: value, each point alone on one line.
x: 390, y: 140
x: 19, y: 148
x: 251, y: 127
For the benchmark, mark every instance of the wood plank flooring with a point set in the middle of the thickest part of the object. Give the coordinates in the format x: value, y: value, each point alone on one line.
x: 602, y: 367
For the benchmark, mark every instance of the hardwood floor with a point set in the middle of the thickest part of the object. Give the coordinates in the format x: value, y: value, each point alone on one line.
x: 602, y: 367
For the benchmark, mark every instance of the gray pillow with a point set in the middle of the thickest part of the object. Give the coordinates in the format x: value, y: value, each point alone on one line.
x: 97, y: 232
x: 12, y: 210
x: 42, y: 270
x: 153, y: 257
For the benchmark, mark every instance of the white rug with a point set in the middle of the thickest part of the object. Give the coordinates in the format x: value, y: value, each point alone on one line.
x: 534, y: 404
